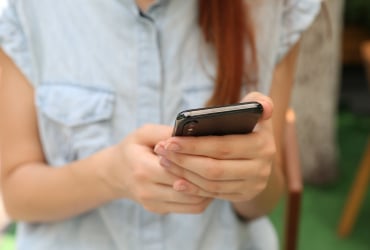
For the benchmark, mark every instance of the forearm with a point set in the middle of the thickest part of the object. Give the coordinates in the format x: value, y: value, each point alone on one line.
x: 266, y: 200
x: 280, y: 93
x: 37, y: 193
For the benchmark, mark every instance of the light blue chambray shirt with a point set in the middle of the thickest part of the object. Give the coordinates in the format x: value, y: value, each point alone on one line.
x: 100, y: 69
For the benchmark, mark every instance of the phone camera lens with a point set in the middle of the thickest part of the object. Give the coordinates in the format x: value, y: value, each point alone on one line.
x: 190, y: 128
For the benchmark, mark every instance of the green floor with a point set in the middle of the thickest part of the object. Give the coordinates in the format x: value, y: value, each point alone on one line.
x: 7, y: 242
x: 323, y: 206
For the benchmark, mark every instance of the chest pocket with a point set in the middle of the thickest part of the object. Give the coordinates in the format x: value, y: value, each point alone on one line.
x: 75, y: 121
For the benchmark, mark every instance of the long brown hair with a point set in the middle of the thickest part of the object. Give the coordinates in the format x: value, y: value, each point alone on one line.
x: 227, y: 26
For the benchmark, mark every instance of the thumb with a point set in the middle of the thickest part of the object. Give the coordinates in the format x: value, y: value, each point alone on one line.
x: 264, y: 100
x: 151, y: 134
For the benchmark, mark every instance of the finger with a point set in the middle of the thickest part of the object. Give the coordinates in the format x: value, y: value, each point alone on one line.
x: 168, y: 194
x: 231, y: 146
x: 151, y: 134
x: 265, y: 123
x: 174, y: 207
x: 264, y: 100
x: 246, y: 193
x: 189, y: 208
x: 209, y: 168
x: 206, y: 188
x: 235, y: 197
x: 246, y: 146
x: 150, y: 170
x: 194, y: 184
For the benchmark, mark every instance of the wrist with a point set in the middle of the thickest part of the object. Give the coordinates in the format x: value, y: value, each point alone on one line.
x: 106, y: 173
x: 239, y: 214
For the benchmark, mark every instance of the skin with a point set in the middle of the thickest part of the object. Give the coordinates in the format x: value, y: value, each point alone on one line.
x: 172, y: 175
x: 244, y: 169
x: 144, y: 4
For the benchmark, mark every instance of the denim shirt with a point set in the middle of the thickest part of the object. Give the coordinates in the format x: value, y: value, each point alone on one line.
x: 101, y: 69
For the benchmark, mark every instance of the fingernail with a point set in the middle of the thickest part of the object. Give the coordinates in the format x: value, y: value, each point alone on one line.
x: 164, y: 162
x: 180, y: 187
x: 172, y: 146
x: 159, y: 149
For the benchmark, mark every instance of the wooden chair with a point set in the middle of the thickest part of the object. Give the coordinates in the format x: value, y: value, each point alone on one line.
x: 294, y: 183
x: 360, y: 184
x: 356, y: 195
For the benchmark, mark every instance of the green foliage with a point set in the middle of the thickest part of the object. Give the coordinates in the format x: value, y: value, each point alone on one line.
x: 357, y: 12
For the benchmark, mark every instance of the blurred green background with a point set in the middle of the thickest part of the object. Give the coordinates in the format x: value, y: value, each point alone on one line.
x: 322, y: 207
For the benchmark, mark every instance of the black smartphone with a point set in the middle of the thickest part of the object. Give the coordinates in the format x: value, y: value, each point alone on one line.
x: 238, y: 118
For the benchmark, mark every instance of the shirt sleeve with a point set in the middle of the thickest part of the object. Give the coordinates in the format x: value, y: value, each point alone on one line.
x: 297, y: 16
x: 13, y: 39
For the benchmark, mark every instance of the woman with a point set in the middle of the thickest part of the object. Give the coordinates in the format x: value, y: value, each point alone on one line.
x: 82, y: 169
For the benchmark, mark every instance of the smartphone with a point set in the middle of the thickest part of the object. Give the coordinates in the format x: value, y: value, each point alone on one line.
x: 238, y: 118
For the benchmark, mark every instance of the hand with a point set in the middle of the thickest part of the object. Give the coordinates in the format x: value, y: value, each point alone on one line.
x: 232, y: 167
x: 137, y: 175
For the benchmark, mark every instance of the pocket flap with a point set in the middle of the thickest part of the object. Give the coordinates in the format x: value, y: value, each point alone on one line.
x: 74, y: 105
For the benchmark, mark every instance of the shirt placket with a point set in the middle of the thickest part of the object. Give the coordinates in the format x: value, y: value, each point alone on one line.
x: 149, y: 110
x: 149, y: 72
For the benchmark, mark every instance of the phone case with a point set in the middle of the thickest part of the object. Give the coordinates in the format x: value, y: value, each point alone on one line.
x: 238, y: 118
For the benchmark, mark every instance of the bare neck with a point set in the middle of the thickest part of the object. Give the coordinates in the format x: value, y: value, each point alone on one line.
x: 144, y: 4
